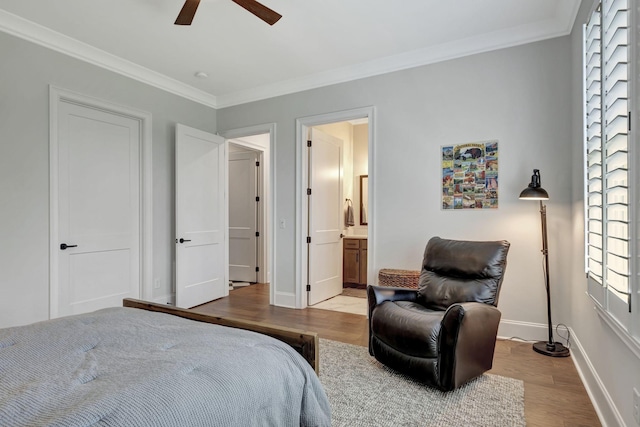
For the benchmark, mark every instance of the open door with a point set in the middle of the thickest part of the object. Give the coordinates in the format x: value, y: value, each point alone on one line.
x: 325, y: 217
x: 201, y: 254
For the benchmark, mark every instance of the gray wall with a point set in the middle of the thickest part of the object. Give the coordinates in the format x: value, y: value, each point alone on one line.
x: 26, y: 71
x: 519, y: 96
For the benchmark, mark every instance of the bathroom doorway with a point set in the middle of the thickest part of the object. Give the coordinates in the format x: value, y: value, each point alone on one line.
x: 352, y: 253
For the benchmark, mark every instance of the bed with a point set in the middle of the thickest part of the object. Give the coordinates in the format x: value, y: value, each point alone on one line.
x: 147, y: 364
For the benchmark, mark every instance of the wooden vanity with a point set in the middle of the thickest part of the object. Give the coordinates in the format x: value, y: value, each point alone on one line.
x: 354, y: 264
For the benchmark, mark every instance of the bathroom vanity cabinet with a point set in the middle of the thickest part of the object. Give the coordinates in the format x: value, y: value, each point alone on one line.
x: 354, y: 264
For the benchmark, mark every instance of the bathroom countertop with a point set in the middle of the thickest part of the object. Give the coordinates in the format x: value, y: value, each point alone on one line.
x: 356, y: 236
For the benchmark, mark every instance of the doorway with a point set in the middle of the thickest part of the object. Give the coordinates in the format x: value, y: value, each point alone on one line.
x: 256, y: 141
x: 244, y: 204
x: 214, y: 160
x: 355, y: 129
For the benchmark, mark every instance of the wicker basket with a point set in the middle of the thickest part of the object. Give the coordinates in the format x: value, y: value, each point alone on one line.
x: 399, y: 278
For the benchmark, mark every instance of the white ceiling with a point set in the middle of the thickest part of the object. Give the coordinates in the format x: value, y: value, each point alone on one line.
x: 316, y: 43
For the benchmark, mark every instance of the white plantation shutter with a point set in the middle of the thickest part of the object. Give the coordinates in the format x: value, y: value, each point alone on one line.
x: 607, y: 157
x: 593, y: 103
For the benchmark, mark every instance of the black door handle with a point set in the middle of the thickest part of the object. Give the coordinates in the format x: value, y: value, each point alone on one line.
x: 184, y: 240
x: 64, y: 246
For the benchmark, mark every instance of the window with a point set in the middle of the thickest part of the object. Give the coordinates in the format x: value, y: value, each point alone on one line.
x: 609, y: 197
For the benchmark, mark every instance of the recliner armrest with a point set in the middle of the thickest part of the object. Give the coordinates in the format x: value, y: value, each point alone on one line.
x: 376, y: 295
x: 467, y: 342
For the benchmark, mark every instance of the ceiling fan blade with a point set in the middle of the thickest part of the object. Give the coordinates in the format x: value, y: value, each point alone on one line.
x: 261, y: 11
x: 187, y: 13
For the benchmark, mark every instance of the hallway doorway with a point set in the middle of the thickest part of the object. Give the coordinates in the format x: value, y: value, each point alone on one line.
x: 244, y: 203
x: 251, y: 234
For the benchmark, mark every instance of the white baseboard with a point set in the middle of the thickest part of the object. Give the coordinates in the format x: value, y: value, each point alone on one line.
x: 284, y: 299
x: 602, y: 402
x: 526, y: 331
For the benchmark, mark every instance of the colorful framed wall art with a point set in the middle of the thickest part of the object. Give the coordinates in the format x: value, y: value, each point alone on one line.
x: 470, y: 176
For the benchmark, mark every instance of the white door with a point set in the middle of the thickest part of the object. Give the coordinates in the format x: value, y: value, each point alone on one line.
x: 201, y: 256
x: 243, y: 216
x: 98, y: 215
x: 325, y: 217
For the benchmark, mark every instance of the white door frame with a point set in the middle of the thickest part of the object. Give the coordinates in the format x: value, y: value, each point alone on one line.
x: 301, y: 251
x: 266, y: 246
x: 56, y: 96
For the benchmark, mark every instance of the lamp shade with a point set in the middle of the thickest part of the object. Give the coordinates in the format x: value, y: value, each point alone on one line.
x: 534, y: 191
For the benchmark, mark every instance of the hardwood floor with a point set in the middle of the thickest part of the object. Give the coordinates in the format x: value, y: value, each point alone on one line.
x: 554, y: 395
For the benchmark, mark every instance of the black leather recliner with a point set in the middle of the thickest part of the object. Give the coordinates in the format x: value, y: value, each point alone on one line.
x: 443, y: 333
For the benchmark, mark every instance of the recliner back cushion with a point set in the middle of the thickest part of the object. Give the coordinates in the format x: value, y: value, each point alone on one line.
x: 461, y: 271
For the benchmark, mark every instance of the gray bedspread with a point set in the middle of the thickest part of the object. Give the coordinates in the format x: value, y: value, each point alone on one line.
x: 131, y: 367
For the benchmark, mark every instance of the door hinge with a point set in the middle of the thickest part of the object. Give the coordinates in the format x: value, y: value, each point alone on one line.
x: 629, y: 116
x: 257, y: 234
x: 257, y: 163
x: 308, y: 239
x: 308, y: 288
x: 308, y: 191
x: 309, y: 143
x: 257, y: 269
x: 257, y: 198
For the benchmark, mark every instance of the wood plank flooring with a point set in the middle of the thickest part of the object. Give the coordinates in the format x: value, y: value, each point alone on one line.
x: 554, y: 394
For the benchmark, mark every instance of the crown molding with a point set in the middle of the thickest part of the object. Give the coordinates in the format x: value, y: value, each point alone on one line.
x: 560, y: 25
x: 38, y: 34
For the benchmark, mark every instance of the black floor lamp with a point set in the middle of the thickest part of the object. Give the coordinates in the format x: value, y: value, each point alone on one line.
x: 535, y: 192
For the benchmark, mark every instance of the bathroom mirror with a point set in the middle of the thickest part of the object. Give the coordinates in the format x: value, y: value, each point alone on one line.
x: 364, y: 199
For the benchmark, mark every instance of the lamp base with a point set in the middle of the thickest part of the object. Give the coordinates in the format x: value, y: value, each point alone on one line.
x: 554, y: 350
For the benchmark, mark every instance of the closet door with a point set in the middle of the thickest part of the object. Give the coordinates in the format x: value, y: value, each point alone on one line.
x: 96, y: 258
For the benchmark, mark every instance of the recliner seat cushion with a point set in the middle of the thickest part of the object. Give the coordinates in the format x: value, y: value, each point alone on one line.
x: 408, y: 327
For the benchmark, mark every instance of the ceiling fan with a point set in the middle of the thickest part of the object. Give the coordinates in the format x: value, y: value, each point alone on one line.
x: 261, y: 11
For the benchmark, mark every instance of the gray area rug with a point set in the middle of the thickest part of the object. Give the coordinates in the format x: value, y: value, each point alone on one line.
x: 363, y: 392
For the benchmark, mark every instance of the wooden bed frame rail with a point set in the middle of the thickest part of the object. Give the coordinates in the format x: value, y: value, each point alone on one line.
x: 304, y: 342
